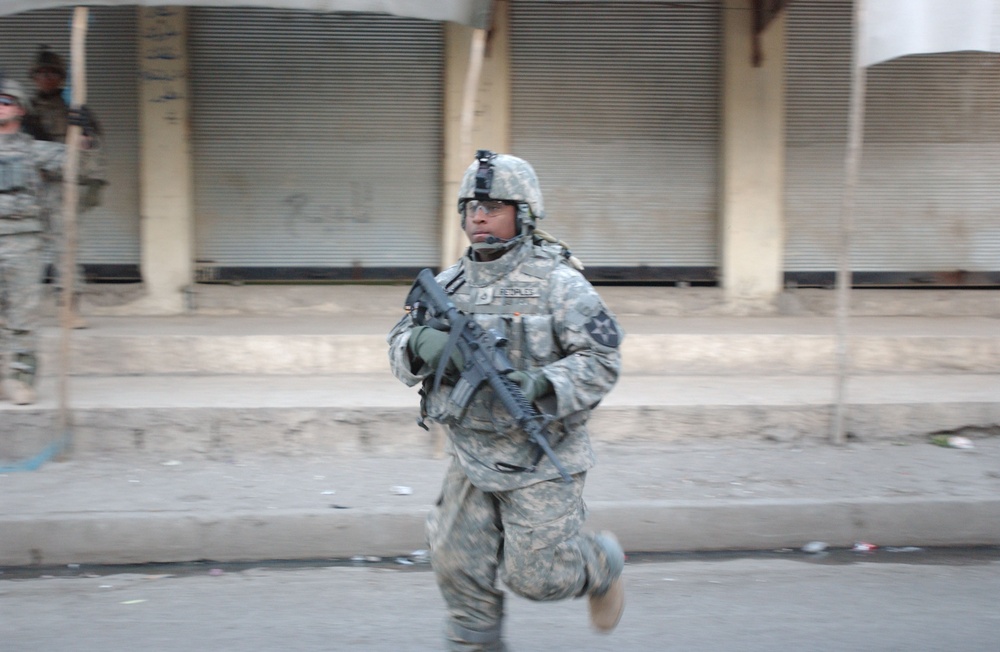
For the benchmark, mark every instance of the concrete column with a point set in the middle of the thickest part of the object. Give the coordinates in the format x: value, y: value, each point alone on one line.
x: 752, y: 158
x: 166, y: 178
x: 491, y: 126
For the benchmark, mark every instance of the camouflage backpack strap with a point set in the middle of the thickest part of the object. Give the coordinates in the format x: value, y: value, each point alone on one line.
x: 572, y: 260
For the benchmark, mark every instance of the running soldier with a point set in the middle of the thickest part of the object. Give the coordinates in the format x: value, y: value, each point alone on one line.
x: 503, y: 512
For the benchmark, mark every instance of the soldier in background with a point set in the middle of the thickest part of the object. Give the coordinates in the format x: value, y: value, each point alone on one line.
x: 502, y: 512
x: 47, y: 120
x: 23, y: 160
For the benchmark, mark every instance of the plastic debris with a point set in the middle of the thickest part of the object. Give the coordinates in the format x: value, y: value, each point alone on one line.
x: 132, y: 601
x: 903, y: 549
x: 814, y: 546
x: 328, y: 492
x: 215, y: 572
x: 952, y: 441
x: 404, y: 561
x: 864, y: 546
x: 401, y: 490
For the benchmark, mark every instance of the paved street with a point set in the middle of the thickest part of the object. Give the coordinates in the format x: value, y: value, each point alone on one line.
x: 905, y: 601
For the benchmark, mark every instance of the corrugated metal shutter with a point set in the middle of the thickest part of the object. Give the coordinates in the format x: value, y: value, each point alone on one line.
x: 317, y: 138
x: 617, y: 107
x: 109, y: 234
x: 929, y: 188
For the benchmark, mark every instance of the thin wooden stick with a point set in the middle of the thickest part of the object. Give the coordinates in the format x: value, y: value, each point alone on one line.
x: 71, y: 193
x: 852, y: 163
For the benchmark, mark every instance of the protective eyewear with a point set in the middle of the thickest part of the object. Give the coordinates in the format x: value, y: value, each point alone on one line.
x: 492, y: 208
x: 6, y: 100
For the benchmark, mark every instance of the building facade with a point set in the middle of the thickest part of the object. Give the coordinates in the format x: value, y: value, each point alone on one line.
x: 673, y: 143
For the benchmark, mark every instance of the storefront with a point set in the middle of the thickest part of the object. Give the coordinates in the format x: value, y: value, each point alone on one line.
x: 617, y: 106
x: 928, y: 187
x: 109, y: 234
x: 316, y: 142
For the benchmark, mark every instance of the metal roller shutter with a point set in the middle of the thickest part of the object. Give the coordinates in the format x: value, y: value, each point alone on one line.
x: 317, y: 141
x: 109, y: 234
x: 929, y: 188
x: 617, y: 107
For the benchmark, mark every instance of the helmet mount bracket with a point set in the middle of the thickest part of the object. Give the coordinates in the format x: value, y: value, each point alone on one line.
x: 484, y: 174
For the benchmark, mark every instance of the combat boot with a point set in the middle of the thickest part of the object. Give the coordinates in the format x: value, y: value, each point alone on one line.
x: 606, y: 607
x: 18, y: 385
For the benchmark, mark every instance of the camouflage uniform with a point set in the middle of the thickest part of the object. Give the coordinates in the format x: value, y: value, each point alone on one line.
x: 48, y: 120
x: 22, y: 158
x: 494, y: 517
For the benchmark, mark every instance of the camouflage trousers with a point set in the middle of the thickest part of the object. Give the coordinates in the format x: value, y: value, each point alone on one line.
x: 530, y: 537
x: 20, y: 294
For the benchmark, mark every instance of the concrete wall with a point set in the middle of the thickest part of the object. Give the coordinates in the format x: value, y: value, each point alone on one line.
x: 752, y: 157
x: 167, y: 188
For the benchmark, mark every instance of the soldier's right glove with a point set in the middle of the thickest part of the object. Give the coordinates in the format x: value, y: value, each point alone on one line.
x: 428, y: 344
x: 84, y: 118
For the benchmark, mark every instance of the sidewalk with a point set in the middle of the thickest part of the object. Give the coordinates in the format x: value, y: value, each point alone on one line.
x: 705, y: 495
x: 266, y: 425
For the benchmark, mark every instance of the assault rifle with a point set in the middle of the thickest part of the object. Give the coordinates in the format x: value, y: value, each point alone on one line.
x: 484, y: 353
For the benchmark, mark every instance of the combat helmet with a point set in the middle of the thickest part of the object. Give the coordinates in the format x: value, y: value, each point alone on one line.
x: 503, y: 177
x: 47, y: 59
x: 509, y: 178
x: 14, y: 89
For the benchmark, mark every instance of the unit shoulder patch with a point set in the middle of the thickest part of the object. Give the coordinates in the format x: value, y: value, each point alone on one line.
x: 604, y: 330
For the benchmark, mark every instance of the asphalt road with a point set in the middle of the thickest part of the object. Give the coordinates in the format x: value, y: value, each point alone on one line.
x: 900, y: 601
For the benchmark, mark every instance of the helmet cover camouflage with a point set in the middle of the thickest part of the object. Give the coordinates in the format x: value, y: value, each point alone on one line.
x: 14, y: 89
x: 505, y: 177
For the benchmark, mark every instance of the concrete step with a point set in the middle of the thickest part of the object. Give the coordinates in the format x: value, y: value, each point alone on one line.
x: 355, y: 343
x: 387, y: 299
x: 373, y: 414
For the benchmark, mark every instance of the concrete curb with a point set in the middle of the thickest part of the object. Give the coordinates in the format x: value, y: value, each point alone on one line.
x: 642, y: 526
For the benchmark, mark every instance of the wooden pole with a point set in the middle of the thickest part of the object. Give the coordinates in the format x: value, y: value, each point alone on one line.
x: 852, y: 163
x: 71, y: 193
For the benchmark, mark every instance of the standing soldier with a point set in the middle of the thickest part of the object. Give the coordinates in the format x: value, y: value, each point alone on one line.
x: 502, y: 512
x: 22, y: 162
x: 48, y: 120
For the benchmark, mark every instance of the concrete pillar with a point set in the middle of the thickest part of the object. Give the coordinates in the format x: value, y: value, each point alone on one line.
x: 166, y: 179
x: 491, y: 125
x: 752, y: 158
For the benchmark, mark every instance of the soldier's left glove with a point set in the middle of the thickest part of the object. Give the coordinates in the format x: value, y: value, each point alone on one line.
x: 534, y: 384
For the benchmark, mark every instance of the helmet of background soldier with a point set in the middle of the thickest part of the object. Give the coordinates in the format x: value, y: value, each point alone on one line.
x: 14, y: 89
x: 503, y: 177
x: 46, y: 59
